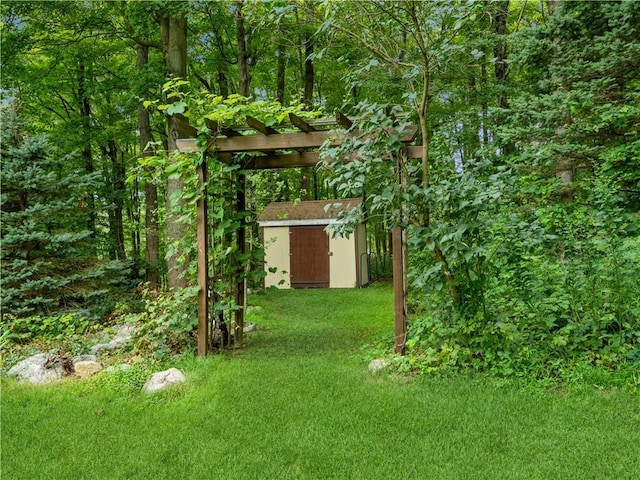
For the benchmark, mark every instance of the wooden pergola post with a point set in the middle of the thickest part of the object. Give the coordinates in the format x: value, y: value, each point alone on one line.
x: 400, y: 266
x: 241, y: 206
x: 203, y: 255
x: 399, y: 291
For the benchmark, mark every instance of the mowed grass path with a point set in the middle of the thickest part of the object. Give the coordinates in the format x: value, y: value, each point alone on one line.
x: 298, y: 403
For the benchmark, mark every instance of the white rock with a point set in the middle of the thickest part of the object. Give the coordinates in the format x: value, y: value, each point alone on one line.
x: 114, y: 344
x: 86, y: 368
x: 32, y: 370
x: 124, y: 334
x: 84, y: 358
x: 125, y: 331
x: 378, y: 365
x: 250, y: 327
x: 162, y: 380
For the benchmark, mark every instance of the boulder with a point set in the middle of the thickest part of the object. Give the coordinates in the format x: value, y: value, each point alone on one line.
x: 84, y: 358
x: 250, y: 327
x: 125, y: 330
x: 163, y: 380
x: 114, y: 344
x: 378, y: 364
x: 124, y: 334
x: 38, y: 369
x: 86, y: 368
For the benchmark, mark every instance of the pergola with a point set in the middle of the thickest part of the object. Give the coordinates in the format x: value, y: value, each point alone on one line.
x: 296, y: 146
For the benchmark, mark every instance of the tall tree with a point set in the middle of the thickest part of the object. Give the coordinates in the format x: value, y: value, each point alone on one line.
x: 141, y: 28
x: 281, y: 71
x: 116, y: 197
x: 173, y: 34
x: 501, y: 65
x: 150, y: 188
x: 244, y: 74
x: 84, y: 110
x: 309, y: 72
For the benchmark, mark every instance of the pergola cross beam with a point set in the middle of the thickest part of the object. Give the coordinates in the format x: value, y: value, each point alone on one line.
x: 300, y: 124
x: 258, y: 126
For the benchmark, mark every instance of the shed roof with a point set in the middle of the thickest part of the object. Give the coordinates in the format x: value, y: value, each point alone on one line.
x: 307, y: 210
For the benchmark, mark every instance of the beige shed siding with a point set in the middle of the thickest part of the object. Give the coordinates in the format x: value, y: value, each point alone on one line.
x: 276, y: 245
x: 342, y: 263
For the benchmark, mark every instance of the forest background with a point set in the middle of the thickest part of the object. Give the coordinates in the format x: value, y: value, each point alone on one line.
x: 522, y: 214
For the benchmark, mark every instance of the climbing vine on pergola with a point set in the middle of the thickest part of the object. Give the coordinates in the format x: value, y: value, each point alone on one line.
x: 297, y: 144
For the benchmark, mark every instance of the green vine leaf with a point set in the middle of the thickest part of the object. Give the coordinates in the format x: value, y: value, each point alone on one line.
x: 177, y: 108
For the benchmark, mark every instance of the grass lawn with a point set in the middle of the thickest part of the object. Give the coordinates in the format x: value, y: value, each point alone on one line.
x: 299, y: 403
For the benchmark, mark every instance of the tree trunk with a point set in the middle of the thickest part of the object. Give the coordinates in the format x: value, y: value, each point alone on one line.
x: 554, y: 6
x: 244, y: 77
x: 499, y: 23
x: 309, y: 77
x: 117, y: 193
x: 87, y: 153
x: 223, y: 85
x: 564, y: 164
x: 484, y: 101
x: 309, y: 73
x: 423, y: 118
x: 150, y: 190
x: 281, y: 71
x: 471, y: 144
x: 133, y: 213
x: 174, y: 43
x: 501, y: 68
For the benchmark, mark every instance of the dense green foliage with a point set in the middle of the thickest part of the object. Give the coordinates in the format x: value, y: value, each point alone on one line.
x: 522, y: 213
x: 48, y: 260
x: 524, y: 249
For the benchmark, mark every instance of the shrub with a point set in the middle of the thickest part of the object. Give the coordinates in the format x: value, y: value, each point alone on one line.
x: 167, y: 324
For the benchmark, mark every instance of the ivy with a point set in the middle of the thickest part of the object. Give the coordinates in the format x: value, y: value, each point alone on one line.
x: 230, y: 111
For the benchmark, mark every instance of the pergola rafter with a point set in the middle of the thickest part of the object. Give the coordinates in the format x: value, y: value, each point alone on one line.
x: 274, y: 149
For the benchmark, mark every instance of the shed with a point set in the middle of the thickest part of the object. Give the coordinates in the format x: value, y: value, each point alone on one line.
x: 300, y: 251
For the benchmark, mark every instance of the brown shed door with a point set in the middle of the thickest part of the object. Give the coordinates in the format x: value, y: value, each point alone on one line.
x: 309, y: 255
